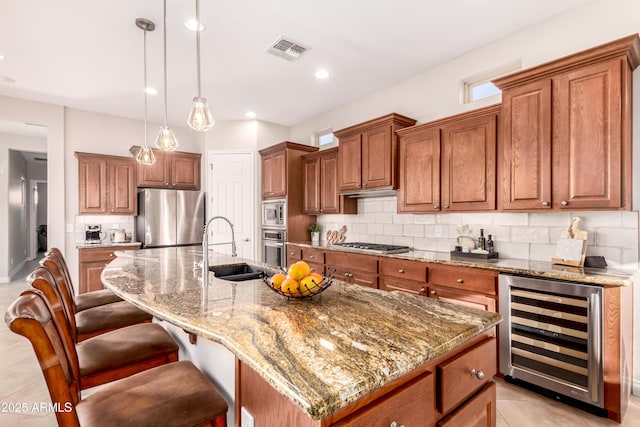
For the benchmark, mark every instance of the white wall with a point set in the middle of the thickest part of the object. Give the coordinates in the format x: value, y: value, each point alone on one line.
x: 11, y: 142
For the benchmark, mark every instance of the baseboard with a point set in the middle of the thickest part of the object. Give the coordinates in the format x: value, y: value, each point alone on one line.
x: 14, y: 272
x: 5, y: 279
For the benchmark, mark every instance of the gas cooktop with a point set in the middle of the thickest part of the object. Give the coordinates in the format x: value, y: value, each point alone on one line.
x: 375, y: 247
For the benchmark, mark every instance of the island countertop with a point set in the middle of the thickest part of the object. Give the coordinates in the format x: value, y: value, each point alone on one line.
x: 322, y: 353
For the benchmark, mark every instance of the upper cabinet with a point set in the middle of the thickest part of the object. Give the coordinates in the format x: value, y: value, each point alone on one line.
x: 175, y: 169
x: 106, y: 184
x: 367, y: 157
x: 449, y: 164
x: 321, y: 185
x: 274, y: 174
x: 282, y: 172
x: 567, y: 131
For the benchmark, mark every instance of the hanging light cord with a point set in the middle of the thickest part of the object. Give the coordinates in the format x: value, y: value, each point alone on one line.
x: 198, y: 43
x: 145, y: 86
x: 165, y: 63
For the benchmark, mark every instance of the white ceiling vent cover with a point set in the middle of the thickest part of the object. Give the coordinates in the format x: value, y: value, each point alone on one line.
x: 286, y: 49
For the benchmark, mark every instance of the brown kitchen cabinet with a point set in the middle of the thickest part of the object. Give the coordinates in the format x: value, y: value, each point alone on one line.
x: 315, y: 259
x: 321, y: 185
x: 449, y: 164
x: 367, y: 158
x: 274, y: 174
x: 466, y: 286
x: 294, y: 254
x: 106, y: 184
x: 403, y: 275
x: 358, y: 269
x: 567, y: 131
x: 175, y: 169
x: 91, y: 263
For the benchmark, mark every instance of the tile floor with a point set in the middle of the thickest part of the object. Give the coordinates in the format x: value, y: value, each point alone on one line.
x: 21, y: 382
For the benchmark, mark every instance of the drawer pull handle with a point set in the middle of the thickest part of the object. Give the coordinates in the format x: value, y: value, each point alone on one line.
x: 312, y: 256
x: 478, y: 374
x: 459, y: 281
x: 433, y: 292
x: 401, y: 271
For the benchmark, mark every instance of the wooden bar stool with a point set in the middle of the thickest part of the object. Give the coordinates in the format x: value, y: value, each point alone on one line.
x: 56, y: 263
x: 175, y: 394
x: 112, y: 355
x: 91, y: 321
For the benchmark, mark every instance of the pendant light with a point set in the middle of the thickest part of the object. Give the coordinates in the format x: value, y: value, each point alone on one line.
x: 145, y: 155
x: 200, y: 117
x: 166, y: 140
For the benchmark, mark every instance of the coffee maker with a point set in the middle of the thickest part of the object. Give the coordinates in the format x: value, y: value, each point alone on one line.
x: 92, y: 233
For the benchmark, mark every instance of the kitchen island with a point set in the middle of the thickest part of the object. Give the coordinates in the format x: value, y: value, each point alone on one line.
x: 335, y: 357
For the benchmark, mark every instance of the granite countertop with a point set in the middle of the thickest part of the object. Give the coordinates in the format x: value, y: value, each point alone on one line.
x: 322, y: 353
x: 595, y: 276
x: 105, y: 244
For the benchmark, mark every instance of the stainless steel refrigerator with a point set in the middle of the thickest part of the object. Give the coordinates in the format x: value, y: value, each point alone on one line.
x: 169, y: 217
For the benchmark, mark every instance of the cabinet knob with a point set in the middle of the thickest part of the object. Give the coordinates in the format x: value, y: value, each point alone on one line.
x: 446, y: 206
x: 478, y: 374
x: 350, y: 274
x: 401, y: 271
x: 545, y: 204
x: 346, y: 274
x: 312, y: 256
x: 433, y: 292
x: 564, y: 203
x: 364, y: 185
x: 436, y: 207
x: 395, y: 424
x: 423, y: 291
x: 291, y: 253
x: 459, y: 281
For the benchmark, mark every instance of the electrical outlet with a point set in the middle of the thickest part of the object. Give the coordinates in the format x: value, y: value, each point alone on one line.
x: 438, y: 231
x: 246, y: 417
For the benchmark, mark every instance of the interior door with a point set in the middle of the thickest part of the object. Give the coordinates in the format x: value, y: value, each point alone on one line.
x: 232, y: 195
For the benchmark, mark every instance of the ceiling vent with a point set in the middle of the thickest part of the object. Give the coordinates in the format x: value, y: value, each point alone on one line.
x: 286, y: 49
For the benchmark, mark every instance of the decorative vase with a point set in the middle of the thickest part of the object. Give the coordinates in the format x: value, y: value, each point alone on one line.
x: 315, y: 237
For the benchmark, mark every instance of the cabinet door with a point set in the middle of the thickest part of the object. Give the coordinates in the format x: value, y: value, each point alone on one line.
x: 90, y: 276
x: 92, y: 184
x: 526, y: 150
x: 156, y: 175
x: 350, y: 162
x: 464, y: 298
x: 362, y: 278
x: 419, y: 183
x: 312, y: 180
x: 469, y: 164
x: 378, y: 167
x: 122, y: 199
x: 329, y: 197
x: 274, y: 175
x: 587, y: 131
x: 479, y: 411
x: 185, y: 171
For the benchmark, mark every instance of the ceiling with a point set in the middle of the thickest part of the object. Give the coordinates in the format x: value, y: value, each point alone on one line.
x: 88, y: 54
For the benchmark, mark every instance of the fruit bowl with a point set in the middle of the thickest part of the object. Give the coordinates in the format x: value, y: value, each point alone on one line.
x: 307, y: 287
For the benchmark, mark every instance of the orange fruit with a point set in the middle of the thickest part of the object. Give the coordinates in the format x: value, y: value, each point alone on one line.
x: 277, y: 279
x: 290, y: 287
x: 317, y: 278
x: 308, y: 286
x: 299, y: 270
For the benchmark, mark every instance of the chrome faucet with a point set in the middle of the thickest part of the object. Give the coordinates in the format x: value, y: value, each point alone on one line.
x: 205, y: 245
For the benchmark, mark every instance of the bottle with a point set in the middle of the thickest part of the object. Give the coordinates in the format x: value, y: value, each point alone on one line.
x: 481, y: 240
x: 490, y: 244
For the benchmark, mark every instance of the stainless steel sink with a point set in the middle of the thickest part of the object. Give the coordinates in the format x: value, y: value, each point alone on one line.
x: 240, y: 272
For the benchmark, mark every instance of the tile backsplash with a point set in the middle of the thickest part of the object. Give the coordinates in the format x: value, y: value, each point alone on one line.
x: 533, y: 236
x: 108, y: 222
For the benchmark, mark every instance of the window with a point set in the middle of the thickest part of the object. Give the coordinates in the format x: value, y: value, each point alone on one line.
x: 479, y: 86
x: 324, y: 138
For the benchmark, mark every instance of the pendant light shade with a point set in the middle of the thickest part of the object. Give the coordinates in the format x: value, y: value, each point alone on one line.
x: 200, y: 117
x: 166, y: 140
x: 145, y: 155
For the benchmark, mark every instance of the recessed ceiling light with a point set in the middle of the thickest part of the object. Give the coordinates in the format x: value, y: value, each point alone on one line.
x: 151, y: 91
x: 322, y: 74
x: 1, y: 57
x: 250, y: 114
x: 192, y: 24
x: 6, y: 79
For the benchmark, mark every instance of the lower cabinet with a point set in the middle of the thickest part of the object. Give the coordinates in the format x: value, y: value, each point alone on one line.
x: 357, y: 269
x: 403, y: 275
x: 92, y: 261
x: 315, y: 259
x: 294, y: 254
x: 479, y: 411
x: 465, y: 286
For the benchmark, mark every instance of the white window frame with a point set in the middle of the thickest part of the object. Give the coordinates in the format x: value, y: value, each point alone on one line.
x: 319, y: 134
x: 469, y: 83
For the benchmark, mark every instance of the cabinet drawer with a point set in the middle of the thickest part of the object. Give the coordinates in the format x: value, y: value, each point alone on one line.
x: 409, y: 286
x: 479, y: 411
x: 411, y: 404
x: 456, y: 381
x: 294, y: 252
x: 465, y: 298
x: 101, y: 254
x: 464, y: 278
x: 405, y: 269
x: 316, y: 267
x: 368, y: 263
x: 313, y: 255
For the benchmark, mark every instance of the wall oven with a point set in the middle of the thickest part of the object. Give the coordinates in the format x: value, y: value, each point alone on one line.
x: 273, y: 247
x: 551, y: 336
x: 274, y: 213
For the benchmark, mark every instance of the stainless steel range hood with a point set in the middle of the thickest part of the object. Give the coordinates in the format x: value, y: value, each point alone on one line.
x: 357, y: 194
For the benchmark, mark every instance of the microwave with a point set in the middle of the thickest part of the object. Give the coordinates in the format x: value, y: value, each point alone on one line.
x: 274, y: 213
